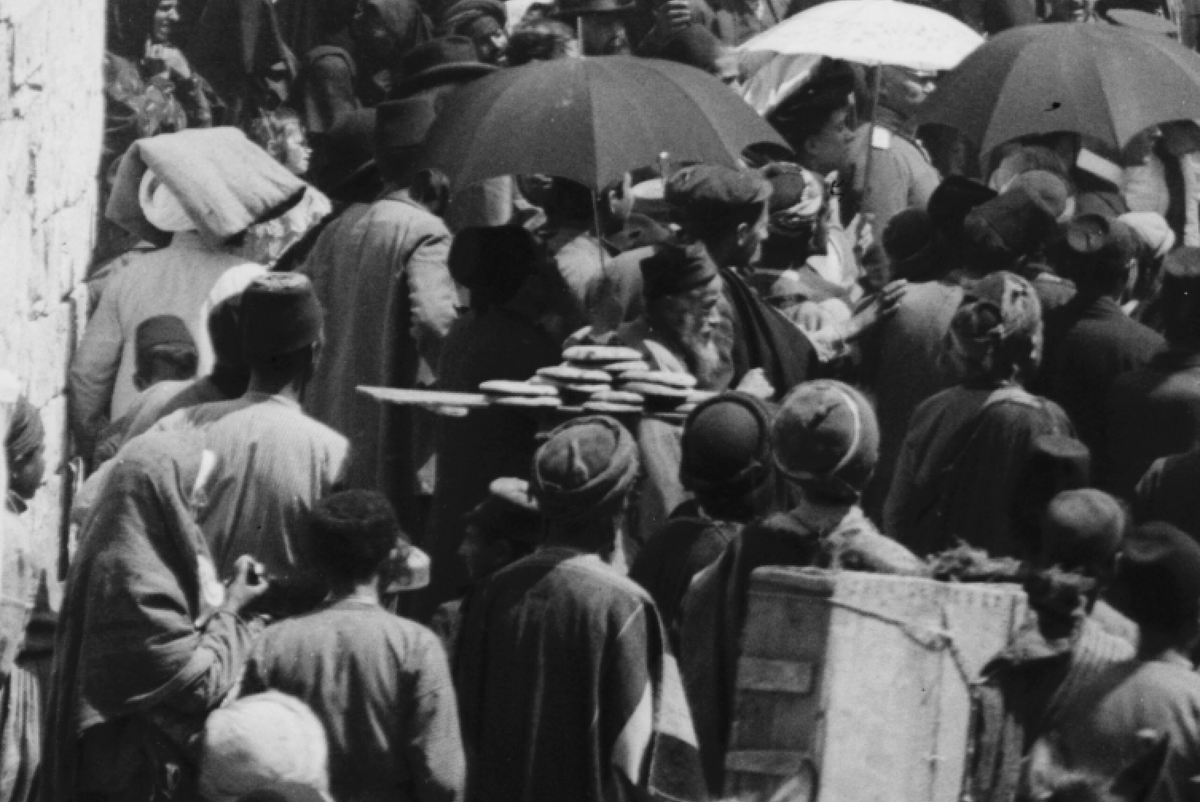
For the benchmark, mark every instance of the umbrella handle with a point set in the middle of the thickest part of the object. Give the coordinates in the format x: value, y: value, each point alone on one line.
x: 866, y: 185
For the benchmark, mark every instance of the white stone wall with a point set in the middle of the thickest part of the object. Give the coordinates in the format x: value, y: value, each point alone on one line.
x: 51, y: 124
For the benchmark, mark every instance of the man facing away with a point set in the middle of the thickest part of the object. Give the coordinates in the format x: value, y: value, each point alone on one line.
x: 273, y: 461
x: 567, y: 686
x: 379, y: 683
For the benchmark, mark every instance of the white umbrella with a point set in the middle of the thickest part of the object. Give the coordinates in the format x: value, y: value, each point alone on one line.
x: 872, y: 32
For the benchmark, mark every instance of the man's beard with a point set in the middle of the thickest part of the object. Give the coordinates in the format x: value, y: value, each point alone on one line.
x: 708, y: 358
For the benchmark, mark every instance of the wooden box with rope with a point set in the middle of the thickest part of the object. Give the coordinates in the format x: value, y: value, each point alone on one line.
x: 859, y: 684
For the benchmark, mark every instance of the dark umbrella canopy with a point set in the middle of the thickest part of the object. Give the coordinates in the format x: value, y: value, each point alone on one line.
x: 590, y: 120
x: 1100, y: 80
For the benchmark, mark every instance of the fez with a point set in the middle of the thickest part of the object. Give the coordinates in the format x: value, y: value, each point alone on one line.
x: 280, y: 314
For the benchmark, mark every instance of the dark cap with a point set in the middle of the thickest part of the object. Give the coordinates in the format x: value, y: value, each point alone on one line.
x: 1094, y: 242
x: 508, y: 512
x: 1008, y: 227
x: 694, y: 46
x: 707, y: 193
x: 675, y: 269
x: 1160, y: 571
x: 162, y: 330
x: 1052, y: 189
x: 1082, y: 529
x: 953, y: 199
x: 280, y: 314
x: 910, y: 242
x: 445, y: 61
x: 726, y: 446
x: 492, y: 261
x: 827, y: 91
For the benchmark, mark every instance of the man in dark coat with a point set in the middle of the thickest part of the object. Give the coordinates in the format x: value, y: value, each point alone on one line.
x: 726, y: 210
x: 500, y: 338
x: 567, y: 686
x: 1155, y: 411
x: 1090, y: 340
x: 380, y: 271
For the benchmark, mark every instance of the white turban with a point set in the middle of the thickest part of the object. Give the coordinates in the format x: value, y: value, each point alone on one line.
x: 266, y: 742
x: 161, y: 207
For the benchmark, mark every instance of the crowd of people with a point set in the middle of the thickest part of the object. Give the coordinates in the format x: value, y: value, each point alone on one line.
x: 897, y: 358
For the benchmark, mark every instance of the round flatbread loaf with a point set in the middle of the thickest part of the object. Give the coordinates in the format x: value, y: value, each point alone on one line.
x: 655, y: 392
x: 617, y: 368
x: 618, y: 397
x: 697, y: 396
x: 586, y: 388
x: 506, y: 387
x: 569, y: 373
x: 612, y: 409
x: 593, y: 354
x: 526, y: 401
x: 664, y: 377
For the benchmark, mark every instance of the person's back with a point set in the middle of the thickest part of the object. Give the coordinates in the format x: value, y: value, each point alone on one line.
x: 906, y: 367
x: 274, y: 463
x: 380, y: 270
x: 379, y: 683
x: 1167, y: 492
x: 369, y: 675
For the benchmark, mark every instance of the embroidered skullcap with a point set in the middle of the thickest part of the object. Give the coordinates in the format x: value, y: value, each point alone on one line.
x: 826, y: 438
x: 586, y: 469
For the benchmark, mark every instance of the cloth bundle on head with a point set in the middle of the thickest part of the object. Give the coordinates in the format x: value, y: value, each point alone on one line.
x: 464, y: 12
x: 267, y: 742
x: 279, y: 314
x: 797, y: 197
x: 726, y: 446
x: 1052, y: 189
x: 952, y: 201
x: 1160, y: 571
x: 26, y: 434
x: 910, y: 242
x: 996, y: 324
x: 712, y: 197
x: 1006, y: 229
x: 162, y: 209
x: 826, y: 439
x: 224, y: 182
x: 492, y: 262
x: 1153, y: 231
x: 162, y: 330
x: 510, y: 511
x: 675, y: 269
x: 1082, y: 529
x: 585, y: 470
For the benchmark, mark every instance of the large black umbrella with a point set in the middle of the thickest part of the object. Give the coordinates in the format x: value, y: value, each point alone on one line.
x: 590, y: 120
x: 1104, y: 81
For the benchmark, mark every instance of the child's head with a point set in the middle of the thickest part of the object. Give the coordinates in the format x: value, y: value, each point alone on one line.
x: 351, y: 534
x: 502, y: 529
x: 281, y: 134
x: 164, y: 351
x: 25, y: 446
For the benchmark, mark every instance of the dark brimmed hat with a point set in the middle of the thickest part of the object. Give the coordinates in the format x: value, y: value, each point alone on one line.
x: 570, y: 9
x: 827, y: 91
x: 440, y: 62
x: 1160, y: 572
x: 400, y: 128
x: 466, y: 11
x: 910, y: 242
x: 675, y: 269
x: 280, y: 314
x: 350, y: 148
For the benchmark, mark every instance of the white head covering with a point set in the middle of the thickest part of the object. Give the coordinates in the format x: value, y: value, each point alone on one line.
x: 270, y: 742
x: 1154, y: 231
x: 161, y: 207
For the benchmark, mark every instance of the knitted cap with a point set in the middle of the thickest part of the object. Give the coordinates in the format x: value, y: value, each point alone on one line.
x: 726, y: 446
x: 826, y: 437
x: 1082, y: 529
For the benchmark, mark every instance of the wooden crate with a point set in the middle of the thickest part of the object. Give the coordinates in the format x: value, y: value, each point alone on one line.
x: 861, y: 682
